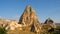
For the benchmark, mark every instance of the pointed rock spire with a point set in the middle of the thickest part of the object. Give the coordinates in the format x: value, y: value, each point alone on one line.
x: 28, y: 16
x: 49, y: 21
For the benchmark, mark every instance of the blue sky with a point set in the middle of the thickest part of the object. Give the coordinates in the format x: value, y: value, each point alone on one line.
x: 12, y: 9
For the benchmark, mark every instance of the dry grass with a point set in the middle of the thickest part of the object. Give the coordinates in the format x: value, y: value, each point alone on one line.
x: 19, y: 32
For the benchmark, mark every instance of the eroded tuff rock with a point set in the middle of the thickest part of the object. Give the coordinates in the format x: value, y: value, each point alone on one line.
x: 50, y: 22
x: 28, y: 16
x: 29, y: 19
x: 10, y: 24
x: 49, y: 25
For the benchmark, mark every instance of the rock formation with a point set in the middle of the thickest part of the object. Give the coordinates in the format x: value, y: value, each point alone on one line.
x: 29, y: 18
x: 49, y: 25
x: 29, y: 22
x: 10, y: 24
x: 50, y: 22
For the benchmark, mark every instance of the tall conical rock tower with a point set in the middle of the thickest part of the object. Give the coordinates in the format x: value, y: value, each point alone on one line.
x: 29, y: 18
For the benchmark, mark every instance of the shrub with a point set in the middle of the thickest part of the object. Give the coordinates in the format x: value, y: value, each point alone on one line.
x: 3, y: 31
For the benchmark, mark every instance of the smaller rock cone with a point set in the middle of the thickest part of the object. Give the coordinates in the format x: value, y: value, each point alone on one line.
x: 50, y: 22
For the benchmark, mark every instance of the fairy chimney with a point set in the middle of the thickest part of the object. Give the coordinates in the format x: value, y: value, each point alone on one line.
x: 29, y: 18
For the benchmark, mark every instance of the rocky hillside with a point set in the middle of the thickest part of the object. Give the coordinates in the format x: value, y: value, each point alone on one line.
x: 28, y: 22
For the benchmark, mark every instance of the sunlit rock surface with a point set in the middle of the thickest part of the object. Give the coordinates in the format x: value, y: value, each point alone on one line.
x: 9, y: 24
x: 28, y: 22
x: 29, y: 19
x: 50, y: 22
